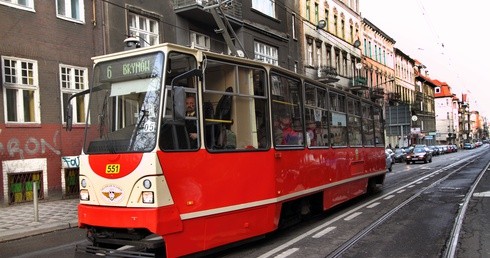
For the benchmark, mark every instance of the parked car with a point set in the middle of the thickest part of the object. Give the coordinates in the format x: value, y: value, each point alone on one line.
x: 467, y: 146
x: 389, y: 161
x: 400, y: 155
x: 435, y: 150
x: 419, y: 154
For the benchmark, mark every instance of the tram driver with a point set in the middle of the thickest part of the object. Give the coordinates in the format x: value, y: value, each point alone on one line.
x: 191, y: 126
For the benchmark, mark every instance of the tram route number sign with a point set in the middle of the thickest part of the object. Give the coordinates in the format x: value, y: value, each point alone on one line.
x: 131, y: 68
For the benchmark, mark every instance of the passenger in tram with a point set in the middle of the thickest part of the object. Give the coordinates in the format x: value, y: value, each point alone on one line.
x: 311, y: 136
x: 289, y: 135
x: 190, y: 103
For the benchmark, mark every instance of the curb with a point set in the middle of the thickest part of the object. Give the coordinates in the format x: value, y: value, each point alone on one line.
x: 37, y: 230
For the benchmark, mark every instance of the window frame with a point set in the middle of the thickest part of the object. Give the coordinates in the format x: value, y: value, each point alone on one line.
x: 68, y: 7
x: 29, y: 6
x: 245, y: 91
x: 148, y: 36
x: 316, y: 107
x: 17, y: 85
x: 72, y: 90
x: 287, y: 102
x: 194, y: 39
x: 267, y: 7
x: 263, y: 55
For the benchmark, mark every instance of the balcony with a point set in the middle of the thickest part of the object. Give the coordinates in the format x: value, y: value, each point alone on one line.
x: 327, y: 74
x: 197, y: 10
x: 394, y: 96
x: 378, y: 93
x: 358, y: 83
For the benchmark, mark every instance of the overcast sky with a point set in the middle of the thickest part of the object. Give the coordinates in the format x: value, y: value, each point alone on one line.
x: 447, y: 36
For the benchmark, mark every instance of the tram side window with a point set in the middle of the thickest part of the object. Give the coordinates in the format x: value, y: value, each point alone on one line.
x: 354, y: 113
x: 378, y: 127
x: 316, y: 116
x: 234, y: 107
x: 180, y: 134
x: 338, y: 119
x: 286, y: 111
x: 367, y: 124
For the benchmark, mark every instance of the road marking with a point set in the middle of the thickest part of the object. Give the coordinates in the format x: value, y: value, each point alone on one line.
x: 373, y: 205
x: 482, y: 194
x: 323, y: 232
x: 287, y: 253
x: 401, y: 191
x: 352, y: 216
x: 389, y: 197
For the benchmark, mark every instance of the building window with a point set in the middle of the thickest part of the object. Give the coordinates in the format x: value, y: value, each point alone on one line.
x: 309, y: 54
x: 317, y: 19
x: 351, y: 31
x: 319, y: 56
x: 21, y: 4
x: 200, y: 40
x: 266, y: 53
x: 143, y: 28
x: 293, y: 25
x: 335, y: 25
x: 74, y: 80
x: 326, y: 19
x: 70, y: 9
x: 265, y: 6
x: 21, y: 90
x: 342, y: 29
x: 307, y: 10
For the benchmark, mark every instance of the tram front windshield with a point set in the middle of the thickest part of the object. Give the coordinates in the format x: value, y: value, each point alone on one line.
x: 124, y: 105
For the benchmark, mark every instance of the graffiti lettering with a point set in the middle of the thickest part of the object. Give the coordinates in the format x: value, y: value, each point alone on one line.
x: 32, y: 146
x: 71, y: 162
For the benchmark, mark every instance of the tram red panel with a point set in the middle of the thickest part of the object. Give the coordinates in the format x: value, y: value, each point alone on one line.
x: 105, y: 165
x: 162, y: 220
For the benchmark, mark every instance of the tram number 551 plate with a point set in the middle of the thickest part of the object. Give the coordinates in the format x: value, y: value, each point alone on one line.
x: 112, y: 168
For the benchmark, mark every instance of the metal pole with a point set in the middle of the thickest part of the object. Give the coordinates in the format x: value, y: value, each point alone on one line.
x: 36, y: 211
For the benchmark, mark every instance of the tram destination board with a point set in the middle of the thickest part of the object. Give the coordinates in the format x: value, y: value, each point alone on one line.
x: 131, y: 68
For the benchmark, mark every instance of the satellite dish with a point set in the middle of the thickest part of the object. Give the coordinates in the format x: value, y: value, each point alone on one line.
x: 358, y: 66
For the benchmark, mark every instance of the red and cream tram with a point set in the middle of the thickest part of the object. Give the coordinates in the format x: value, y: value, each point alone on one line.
x: 263, y: 147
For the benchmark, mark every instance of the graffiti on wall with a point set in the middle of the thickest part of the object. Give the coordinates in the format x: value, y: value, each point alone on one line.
x: 32, y: 146
x: 70, y: 161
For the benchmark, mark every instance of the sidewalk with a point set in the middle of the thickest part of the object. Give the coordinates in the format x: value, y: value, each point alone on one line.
x: 17, y: 221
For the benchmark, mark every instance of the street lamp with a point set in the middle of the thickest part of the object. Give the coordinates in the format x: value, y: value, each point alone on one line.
x: 321, y: 24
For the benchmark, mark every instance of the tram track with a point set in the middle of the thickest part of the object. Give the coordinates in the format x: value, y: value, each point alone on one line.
x: 451, y: 245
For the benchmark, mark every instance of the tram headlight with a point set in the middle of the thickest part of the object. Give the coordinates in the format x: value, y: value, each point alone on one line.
x: 148, y: 197
x: 84, y: 196
x: 83, y: 183
x: 147, y: 183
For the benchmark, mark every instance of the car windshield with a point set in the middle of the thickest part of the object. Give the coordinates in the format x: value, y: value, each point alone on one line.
x: 418, y: 150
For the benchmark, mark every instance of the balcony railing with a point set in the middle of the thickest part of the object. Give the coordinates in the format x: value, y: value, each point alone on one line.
x: 394, y: 96
x: 377, y: 93
x: 327, y: 74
